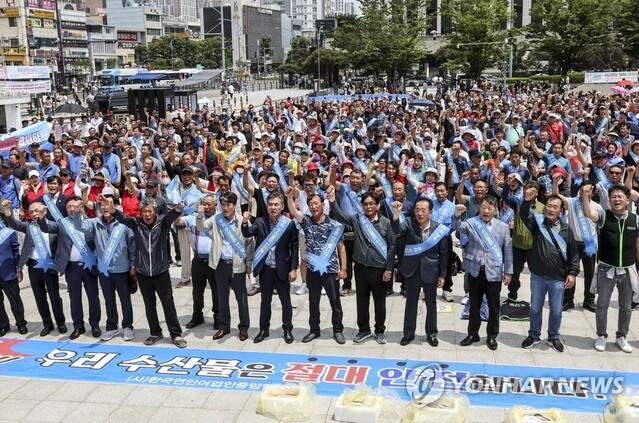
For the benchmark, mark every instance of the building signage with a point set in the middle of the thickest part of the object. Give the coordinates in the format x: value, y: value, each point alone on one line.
x: 73, y: 25
x: 127, y: 36
x: 36, y: 13
x: 24, y: 72
x: 609, y: 77
x: 9, y: 12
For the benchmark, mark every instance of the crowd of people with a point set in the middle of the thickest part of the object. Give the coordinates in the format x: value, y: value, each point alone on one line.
x: 365, y: 189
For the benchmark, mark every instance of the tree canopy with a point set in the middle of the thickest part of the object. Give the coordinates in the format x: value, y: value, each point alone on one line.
x: 175, y: 53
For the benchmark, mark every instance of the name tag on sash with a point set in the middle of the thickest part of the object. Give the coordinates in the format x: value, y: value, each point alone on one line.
x: 231, y: 236
x: 270, y: 241
x: 45, y: 262
x: 433, y: 239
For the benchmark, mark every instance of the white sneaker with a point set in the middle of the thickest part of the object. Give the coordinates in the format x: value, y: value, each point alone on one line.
x: 110, y: 334
x: 464, y: 300
x: 128, y: 334
x: 302, y: 289
x: 600, y: 344
x: 448, y: 296
x: 623, y: 344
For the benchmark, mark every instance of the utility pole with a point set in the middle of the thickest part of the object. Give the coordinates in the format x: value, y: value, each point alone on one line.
x: 223, y: 46
x: 319, y: 75
x: 509, y: 26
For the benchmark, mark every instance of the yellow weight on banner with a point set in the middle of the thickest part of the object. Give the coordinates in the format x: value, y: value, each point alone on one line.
x: 624, y: 407
x: 524, y: 414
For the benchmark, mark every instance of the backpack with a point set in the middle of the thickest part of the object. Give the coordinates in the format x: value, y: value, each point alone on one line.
x: 517, y: 311
x: 483, y: 310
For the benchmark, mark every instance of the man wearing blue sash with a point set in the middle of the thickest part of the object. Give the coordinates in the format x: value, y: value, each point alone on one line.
x: 201, y: 272
x: 348, y: 193
x: 10, y: 280
x: 75, y: 257
x: 488, y: 260
x: 615, y: 176
x: 276, y: 262
x: 187, y: 178
x: 373, y: 256
x: 584, y: 231
x: 38, y: 251
x: 424, y: 264
x: 232, y: 257
x: 115, y: 248
x: 323, y: 242
x: 553, y: 264
x: 442, y: 213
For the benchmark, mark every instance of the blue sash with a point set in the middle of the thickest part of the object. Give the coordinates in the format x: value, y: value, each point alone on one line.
x: 231, y: 236
x: 506, y: 164
x: 373, y: 235
x: 5, y: 233
x: 389, y: 201
x: 112, y: 244
x: 507, y: 214
x: 395, y: 152
x: 433, y: 239
x: 547, y: 180
x: 601, y: 176
x: 386, y: 186
x: 357, y: 205
x: 430, y: 162
x: 320, y: 262
x: 635, y: 158
x: 469, y: 187
x: 441, y: 213
x: 190, y: 197
x: 265, y: 194
x: 53, y: 209
x: 45, y: 262
x: 270, y: 241
x: 240, y: 187
x: 88, y: 256
x: 234, y: 155
x: 464, y: 144
x: 173, y: 191
x: 563, y: 247
x: 379, y: 154
x: 278, y: 170
x: 360, y: 164
x: 487, y: 238
x: 449, y: 160
x: 585, y: 229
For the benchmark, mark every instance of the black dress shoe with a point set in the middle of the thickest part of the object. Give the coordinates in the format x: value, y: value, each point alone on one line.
x: 96, y: 332
x: 568, y: 305
x: 339, y: 338
x: 288, y: 337
x: 194, y: 322
x: 492, y: 343
x: 22, y: 330
x: 3, y: 331
x: 590, y: 306
x: 62, y: 329
x: 432, y: 340
x: 260, y: 336
x: 220, y: 334
x: 469, y: 340
x: 406, y: 340
x: 46, y: 331
x: 243, y: 336
x: 310, y: 336
x: 76, y: 333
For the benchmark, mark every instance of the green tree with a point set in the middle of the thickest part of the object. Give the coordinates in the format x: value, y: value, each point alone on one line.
x: 330, y: 59
x: 562, y: 30
x: 628, y: 27
x: 159, y: 63
x: 178, y: 53
x: 296, y: 56
x: 111, y: 63
x: 477, y: 38
x: 387, y: 38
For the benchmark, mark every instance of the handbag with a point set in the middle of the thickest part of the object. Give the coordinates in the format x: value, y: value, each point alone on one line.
x: 133, y: 285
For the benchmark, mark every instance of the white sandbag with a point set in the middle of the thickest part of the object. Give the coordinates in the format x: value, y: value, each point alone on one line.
x: 364, y: 405
x: 447, y: 409
x: 288, y: 402
x: 525, y: 414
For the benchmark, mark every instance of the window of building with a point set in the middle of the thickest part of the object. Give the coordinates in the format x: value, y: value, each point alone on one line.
x: 15, y: 42
x: 13, y: 22
x: 156, y: 32
x: 153, y: 18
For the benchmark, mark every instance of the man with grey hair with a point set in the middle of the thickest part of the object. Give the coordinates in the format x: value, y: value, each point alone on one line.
x: 152, y: 266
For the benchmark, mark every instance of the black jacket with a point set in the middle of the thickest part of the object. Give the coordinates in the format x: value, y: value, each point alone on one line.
x: 429, y: 265
x: 545, y: 259
x: 152, y: 257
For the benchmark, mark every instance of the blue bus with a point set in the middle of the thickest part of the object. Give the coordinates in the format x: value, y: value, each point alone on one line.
x: 109, y: 80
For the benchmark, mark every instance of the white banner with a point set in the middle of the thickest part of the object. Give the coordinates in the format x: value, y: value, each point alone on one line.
x: 31, y: 87
x: 609, y: 77
x: 24, y: 72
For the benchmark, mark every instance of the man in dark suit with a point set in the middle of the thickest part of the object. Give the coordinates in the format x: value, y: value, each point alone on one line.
x: 426, y: 249
x: 54, y: 197
x: 488, y: 261
x: 79, y: 267
x: 276, y: 261
x: 37, y: 254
